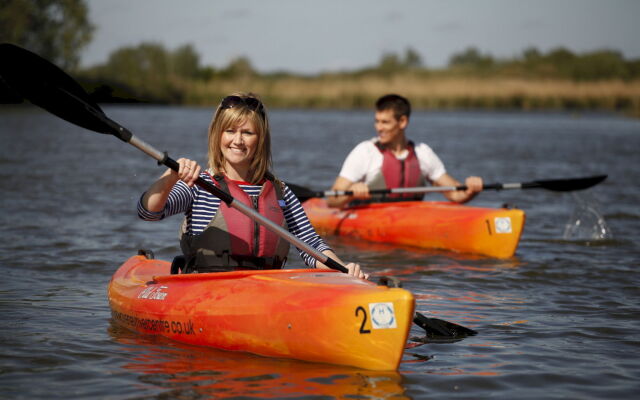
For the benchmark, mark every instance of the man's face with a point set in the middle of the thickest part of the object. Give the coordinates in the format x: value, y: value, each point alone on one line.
x: 388, y: 127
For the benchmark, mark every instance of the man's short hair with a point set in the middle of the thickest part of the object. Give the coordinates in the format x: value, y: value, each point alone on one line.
x: 397, y: 103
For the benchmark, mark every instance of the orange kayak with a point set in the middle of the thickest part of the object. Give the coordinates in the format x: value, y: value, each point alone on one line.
x: 427, y: 224
x: 306, y: 314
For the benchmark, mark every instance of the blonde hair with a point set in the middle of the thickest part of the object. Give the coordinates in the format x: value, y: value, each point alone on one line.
x: 225, y: 118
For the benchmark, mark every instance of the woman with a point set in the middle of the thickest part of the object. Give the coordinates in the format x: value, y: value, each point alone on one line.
x: 216, y: 237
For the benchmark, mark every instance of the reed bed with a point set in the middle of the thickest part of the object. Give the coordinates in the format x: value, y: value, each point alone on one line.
x: 431, y: 92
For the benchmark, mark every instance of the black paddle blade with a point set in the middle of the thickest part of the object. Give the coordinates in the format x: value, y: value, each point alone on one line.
x: 570, y: 184
x: 49, y: 87
x: 302, y: 193
x: 438, y: 329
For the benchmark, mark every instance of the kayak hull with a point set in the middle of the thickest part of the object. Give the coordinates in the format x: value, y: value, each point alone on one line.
x: 426, y: 224
x: 306, y: 314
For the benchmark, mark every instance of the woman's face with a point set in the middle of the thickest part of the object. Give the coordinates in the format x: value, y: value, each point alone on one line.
x: 239, y: 145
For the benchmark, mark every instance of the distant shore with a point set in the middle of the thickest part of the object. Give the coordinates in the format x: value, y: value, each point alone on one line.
x: 555, y: 80
x: 425, y: 92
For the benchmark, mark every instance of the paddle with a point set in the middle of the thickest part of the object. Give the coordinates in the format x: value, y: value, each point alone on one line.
x: 47, y: 86
x: 556, y: 185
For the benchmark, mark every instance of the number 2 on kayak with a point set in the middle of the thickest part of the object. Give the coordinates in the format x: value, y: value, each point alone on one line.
x: 364, y: 319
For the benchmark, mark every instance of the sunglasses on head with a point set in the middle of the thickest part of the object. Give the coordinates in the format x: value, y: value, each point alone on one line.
x: 250, y: 103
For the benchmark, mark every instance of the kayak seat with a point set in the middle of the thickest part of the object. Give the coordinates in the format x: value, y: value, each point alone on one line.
x: 148, y: 254
x: 178, y: 265
x: 230, y: 263
x: 389, y: 281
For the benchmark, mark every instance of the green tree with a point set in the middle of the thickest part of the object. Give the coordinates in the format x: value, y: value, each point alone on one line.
x: 531, y: 55
x: 150, y: 70
x: 604, y: 64
x: 561, y: 56
x: 57, y: 30
x: 633, y: 66
x: 471, y: 58
x: 240, y: 67
x: 412, y: 59
x: 185, y: 62
x: 145, y: 68
x: 389, y: 64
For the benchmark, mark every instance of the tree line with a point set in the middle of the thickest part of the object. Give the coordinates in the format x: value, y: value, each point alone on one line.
x: 153, y: 72
x: 558, y: 63
x: 59, y: 30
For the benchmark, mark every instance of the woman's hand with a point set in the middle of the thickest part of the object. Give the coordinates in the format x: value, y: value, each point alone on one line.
x: 155, y: 198
x: 356, y: 270
x: 353, y: 268
x: 189, y: 171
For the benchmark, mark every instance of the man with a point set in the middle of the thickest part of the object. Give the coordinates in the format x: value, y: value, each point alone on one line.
x: 390, y: 161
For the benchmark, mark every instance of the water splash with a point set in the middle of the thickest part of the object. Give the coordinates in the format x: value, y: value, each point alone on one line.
x: 586, y: 222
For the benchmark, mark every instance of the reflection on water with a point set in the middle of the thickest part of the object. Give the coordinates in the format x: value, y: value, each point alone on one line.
x: 181, y: 371
x: 586, y: 222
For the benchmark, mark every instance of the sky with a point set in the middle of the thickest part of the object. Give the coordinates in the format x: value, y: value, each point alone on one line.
x: 311, y: 36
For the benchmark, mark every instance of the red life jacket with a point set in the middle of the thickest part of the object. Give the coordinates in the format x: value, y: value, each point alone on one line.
x: 233, y: 241
x: 401, y: 173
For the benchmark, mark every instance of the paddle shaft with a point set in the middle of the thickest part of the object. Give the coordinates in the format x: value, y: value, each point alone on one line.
x: 419, y: 189
x: 428, y: 189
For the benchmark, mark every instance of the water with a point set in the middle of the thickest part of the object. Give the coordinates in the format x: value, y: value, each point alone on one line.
x: 559, y: 320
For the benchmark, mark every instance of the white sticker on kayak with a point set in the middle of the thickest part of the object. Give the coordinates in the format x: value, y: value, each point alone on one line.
x: 503, y: 224
x: 153, y: 293
x: 382, y: 315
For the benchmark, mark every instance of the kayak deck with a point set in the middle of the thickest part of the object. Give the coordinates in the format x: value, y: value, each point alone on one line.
x: 306, y: 314
x: 426, y: 224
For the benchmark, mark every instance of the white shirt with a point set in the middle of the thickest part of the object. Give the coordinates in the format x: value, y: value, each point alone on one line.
x: 365, y: 162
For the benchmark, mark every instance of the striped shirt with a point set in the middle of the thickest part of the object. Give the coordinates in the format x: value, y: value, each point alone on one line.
x: 200, y: 207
